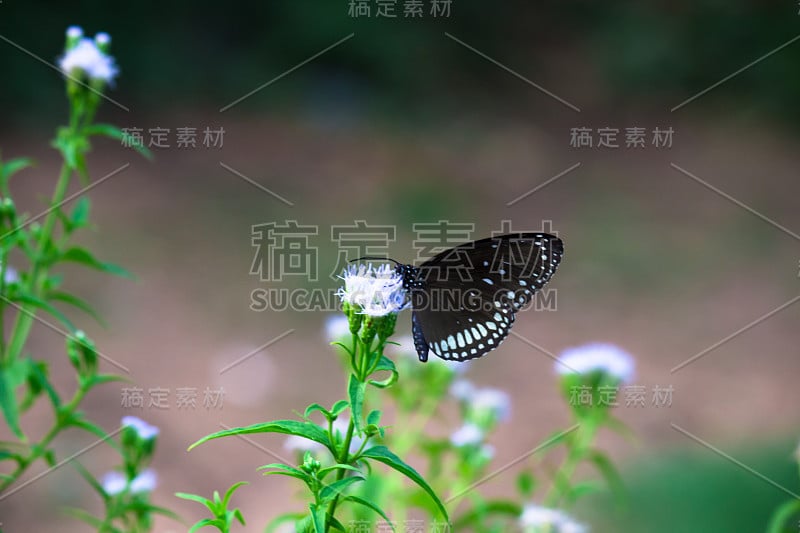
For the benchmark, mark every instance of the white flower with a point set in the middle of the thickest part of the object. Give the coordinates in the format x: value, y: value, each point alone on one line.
x: 296, y: 443
x: 537, y: 518
x: 144, y: 482
x: 376, y: 291
x: 337, y: 327
x: 466, y: 435
x: 462, y: 389
x: 144, y: 430
x: 102, y: 39
x: 87, y: 57
x: 114, y: 483
x: 74, y: 32
x: 597, y: 357
x: 494, y: 400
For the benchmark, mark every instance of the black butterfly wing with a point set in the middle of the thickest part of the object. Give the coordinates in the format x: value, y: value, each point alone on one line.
x: 470, y: 294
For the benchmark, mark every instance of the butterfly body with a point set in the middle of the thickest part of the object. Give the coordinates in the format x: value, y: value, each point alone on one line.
x: 465, y: 299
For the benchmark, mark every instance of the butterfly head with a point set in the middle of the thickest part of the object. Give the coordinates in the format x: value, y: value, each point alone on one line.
x: 410, y: 275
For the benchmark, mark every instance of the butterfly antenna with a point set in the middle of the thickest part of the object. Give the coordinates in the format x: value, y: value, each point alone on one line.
x: 374, y: 258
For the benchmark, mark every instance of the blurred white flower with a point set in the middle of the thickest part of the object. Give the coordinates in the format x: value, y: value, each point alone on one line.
x: 114, y: 482
x: 74, y: 32
x: 86, y: 56
x: 537, y: 518
x: 494, y: 400
x: 102, y: 39
x: 11, y: 276
x: 337, y: 327
x: 462, y: 389
x: 144, y: 430
x: 466, y: 435
x: 606, y: 358
x: 459, y: 367
x: 144, y: 482
x: 376, y: 291
x: 296, y: 443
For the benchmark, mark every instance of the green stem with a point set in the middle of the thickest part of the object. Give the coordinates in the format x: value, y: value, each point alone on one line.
x: 583, y: 438
x: 38, y: 450
x: 344, y: 455
x: 343, y: 459
x: 25, y: 318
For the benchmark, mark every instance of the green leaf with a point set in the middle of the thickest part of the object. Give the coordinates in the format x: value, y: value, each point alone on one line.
x: 610, y: 474
x: 31, y: 300
x: 287, y: 427
x: 318, y: 516
x: 8, y: 404
x: 80, y: 213
x: 337, y: 525
x: 526, y: 483
x: 76, y: 302
x: 339, y: 407
x: 584, y: 488
x: 368, y: 504
x: 329, y: 492
x: 84, y: 257
x: 237, y: 514
x: 216, y: 522
x: 356, y: 390
x: 37, y: 372
x: 384, y: 455
x: 497, y: 507
x: 85, y: 516
x: 99, y: 379
x: 387, y: 365
x: 285, y: 470
x: 77, y: 420
x: 279, y: 520
x: 11, y: 167
x: 314, y: 407
x: 374, y: 417
x: 195, y: 498
x: 229, y: 493
x: 113, y: 132
x: 339, y: 466
x: 782, y: 515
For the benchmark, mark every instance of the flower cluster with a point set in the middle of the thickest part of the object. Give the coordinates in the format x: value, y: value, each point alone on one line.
x: 88, y: 58
x: 373, y: 291
x: 535, y: 519
x: 116, y: 482
x: 605, y: 359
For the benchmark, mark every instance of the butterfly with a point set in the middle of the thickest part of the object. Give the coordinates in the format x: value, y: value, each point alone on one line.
x: 464, y: 300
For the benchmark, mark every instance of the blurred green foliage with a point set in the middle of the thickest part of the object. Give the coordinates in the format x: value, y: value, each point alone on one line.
x: 697, y: 490
x: 185, y: 55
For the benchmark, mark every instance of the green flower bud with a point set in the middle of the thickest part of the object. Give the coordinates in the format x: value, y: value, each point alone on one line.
x: 82, y: 354
x: 354, y: 318
x: 386, y: 328
x: 370, y: 329
x: 310, y: 464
